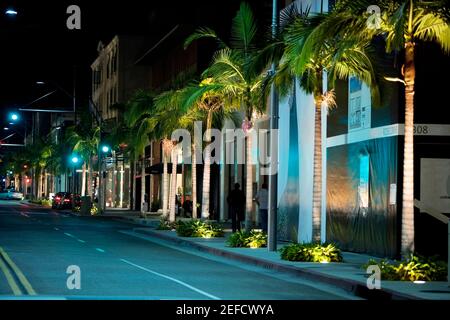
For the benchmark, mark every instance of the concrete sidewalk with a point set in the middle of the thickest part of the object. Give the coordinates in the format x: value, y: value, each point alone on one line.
x: 348, y: 275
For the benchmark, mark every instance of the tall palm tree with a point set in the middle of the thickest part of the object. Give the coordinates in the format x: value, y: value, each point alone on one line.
x: 413, y: 22
x: 405, y: 25
x: 139, y: 118
x: 85, y: 142
x: 232, y: 68
x: 316, y: 44
x: 206, y: 102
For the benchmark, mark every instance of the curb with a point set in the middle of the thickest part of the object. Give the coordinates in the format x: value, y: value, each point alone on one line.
x: 357, y: 288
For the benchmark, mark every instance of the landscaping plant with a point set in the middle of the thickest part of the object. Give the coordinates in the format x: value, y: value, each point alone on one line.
x: 252, y: 239
x: 311, y: 252
x: 414, y: 268
x: 199, y: 229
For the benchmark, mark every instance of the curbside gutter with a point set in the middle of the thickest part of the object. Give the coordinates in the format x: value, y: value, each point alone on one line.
x: 357, y: 288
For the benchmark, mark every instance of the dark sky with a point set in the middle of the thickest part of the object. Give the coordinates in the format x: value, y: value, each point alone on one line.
x: 37, y: 46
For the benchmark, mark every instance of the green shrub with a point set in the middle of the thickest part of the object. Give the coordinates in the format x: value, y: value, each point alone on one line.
x: 199, y: 229
x: 95, y: 210
x: 252, y: 239
x: 311, y: 252
x: 46, y: 202
x: 165, y: 224
x: 415, y: 268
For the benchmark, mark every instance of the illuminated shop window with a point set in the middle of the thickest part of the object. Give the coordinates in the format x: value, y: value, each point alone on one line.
x: 363, y: 187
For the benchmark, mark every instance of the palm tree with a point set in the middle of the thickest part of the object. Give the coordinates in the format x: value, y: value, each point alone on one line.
x: 85, y: 142
x: 413, y: 22
x: 206, y: 103
x: 404, y: 25
x: 232, y: 68
x: 324, y: 43
x: 140, y: 120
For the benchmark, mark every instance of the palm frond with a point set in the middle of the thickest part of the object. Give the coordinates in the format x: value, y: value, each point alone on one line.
x: 243, y: 29
x: 201, y: 33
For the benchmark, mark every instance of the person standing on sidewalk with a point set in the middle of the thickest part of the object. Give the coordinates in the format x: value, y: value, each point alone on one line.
x: 262, y: 199
x: 236, y: 203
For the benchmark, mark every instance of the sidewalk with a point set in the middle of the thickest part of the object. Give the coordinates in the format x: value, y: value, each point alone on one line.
x: 347, y: 275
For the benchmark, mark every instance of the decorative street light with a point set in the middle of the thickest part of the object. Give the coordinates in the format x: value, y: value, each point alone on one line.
x: 105, y: 149
x: 14, y: 116
x: 75, y: 159
x: 11, y: 12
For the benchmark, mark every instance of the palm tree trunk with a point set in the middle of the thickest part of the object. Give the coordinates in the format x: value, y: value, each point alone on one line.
x: 317, y: 178
x: 45, y: 184
x: 39, y: 191
x: 114, y: 181
x: 133, y: 176
x: 165, y: 187
x: 207, y: 172
x: 83, y: 179
x: 173, y: 185
x: 194, y: 182
x: 89, y: 180
x: 407, y: 236
x: 143, y: 182
x: 249, y: 183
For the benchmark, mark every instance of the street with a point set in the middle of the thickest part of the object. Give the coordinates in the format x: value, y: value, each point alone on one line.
x: 43, y: 243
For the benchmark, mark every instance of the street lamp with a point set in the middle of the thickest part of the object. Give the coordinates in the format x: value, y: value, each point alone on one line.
x: 105, y: 149
x: 14, y: 116
x: 11, y: 12
x: 75, y: 159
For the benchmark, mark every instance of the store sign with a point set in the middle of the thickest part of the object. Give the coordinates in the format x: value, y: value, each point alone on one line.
x: 435, y: 184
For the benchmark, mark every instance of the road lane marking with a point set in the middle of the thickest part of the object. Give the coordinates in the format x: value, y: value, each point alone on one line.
x: 172, y: 279
x: 82, y: 241
x: 23, y: 214
x: 100, y: 250
x: 23, y: 280
x: 56, y: 229
x: 12, y: 283
x: 68, y: 234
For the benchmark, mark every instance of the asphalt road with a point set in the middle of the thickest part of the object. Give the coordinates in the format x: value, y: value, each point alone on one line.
x: 42, y: 244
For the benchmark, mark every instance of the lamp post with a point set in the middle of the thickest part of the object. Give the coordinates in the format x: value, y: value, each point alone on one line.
x: 273, y: 177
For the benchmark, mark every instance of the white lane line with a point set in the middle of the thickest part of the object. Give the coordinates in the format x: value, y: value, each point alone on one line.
x: 56, y: 229
x: 24, y: 214
x: 68, y: 234
x: 99, y: 250
x: 82, y: 241
x: 172, y: 279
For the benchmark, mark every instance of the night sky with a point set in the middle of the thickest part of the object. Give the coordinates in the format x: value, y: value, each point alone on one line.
x: 37, y: 46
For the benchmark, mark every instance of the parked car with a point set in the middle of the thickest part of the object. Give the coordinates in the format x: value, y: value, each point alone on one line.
x: 11, y: 194
x: 62, y: 200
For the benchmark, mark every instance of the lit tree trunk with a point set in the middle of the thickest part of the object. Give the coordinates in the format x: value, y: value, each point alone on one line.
x: 143, y: 182
x: 249, y: 182
x: 45, y: 184
x: 133, y: 176
x: 194, y: 182
x: 165, y: 187
x: 114, y: 180
x: 317, y: 178
x: 173, y: 185
x: 39, y: 188
x: 89, y: 180
x: 407, y: 236
x: 207, y: 171
x: 83, y: 179
x: 16, y: 182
